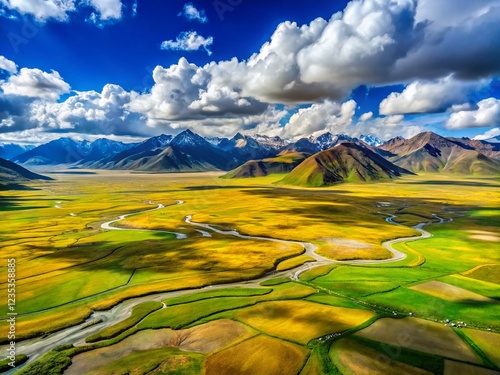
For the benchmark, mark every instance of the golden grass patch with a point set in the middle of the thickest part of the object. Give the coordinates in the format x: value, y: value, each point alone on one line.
x: 485, y: 272
x: 354, y: 358
x: 454, y: 368
x: 205, y: 338
x: 422, y: 335
x: 488, y: 342
x: 449, y: 292
x: 344, y: 252
x: 294, y: 262
x: 313, y: 365
x: 259, y: 355
x: 301, y: 321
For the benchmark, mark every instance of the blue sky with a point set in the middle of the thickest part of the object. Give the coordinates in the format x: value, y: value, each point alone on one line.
x: 137, y: 68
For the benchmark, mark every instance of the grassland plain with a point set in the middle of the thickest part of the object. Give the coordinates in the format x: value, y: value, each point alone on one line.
x: 75, y: 267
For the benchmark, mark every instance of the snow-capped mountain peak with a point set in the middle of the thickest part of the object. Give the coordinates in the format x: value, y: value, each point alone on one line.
x: 371, y: 140
x: 188, y: 138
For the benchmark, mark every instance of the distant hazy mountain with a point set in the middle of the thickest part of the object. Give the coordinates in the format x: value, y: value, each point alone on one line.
x: 103, y: 147
x: 429, y: 152
x: 11, y: 150
x: 346, y: 162
x: 68, y: 151
x: 275, y: 143
x: 136, y: 151
x: 303, y: 145
x: 11, y: 173
x: 59, y: 151
x: 242, y: 148
x: 285, y: 162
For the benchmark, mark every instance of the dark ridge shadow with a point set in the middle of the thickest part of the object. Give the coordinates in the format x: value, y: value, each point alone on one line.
x: 473, y: 302
x: 215, y: 187
x: 459, y: 183
x: 72, y: 172
x: 5, y: 187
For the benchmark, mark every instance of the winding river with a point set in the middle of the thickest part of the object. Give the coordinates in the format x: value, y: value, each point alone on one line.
x: 76, y: 335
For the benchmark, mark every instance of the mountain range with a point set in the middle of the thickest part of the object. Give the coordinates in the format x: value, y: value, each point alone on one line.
x: 429, y: 152
x: 249, y: 156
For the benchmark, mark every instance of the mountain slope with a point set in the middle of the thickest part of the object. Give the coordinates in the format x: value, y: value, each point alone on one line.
x: 490, y: 149
x: 429, y: 152
x: 346, y: 162
x: 283, y: 163
x: 11, y: 173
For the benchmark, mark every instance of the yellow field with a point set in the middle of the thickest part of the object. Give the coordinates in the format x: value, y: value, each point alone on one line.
x: 354, y: 358
x: 301, y: 321
x: 350, y: 250
x: 488, y: 342
x: 422, y: 335
x: 454, y: 368
x: 449, y: 292
x: 486, y: 272
x: 294, y: 262
x: 259, y: 355
x: 313, y: 366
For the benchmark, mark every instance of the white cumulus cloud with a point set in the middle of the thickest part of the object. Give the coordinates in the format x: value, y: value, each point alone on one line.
x: 366, y: 116
x: 59, y: 10
x: 191, y: 13
x: 189, y: 41
x: 7, y: 65
x: 42, y: 9
x: 90, y: 112
x: 107, y: 9
x: 320, y: 117
x: 35, y: 83
x: 185, y: 91
x: 487, y: 114
x: 429, y: 96
x: 495, y: 132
